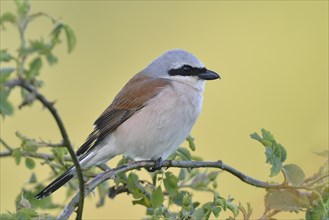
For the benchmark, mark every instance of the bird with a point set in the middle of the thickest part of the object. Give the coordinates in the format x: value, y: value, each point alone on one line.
x: 149, y: 118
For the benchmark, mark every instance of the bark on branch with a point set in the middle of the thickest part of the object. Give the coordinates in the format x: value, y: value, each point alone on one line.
x: 50, y: 106
x: 110, y: 174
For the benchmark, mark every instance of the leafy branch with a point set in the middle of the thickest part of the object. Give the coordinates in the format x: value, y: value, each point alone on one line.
x: 30, y: 150
x: 110, y: 174
x: 27, y: 79
x: 274, y: 190
x: 164, y: 194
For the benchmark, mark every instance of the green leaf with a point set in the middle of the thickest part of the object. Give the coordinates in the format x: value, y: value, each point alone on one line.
x: 195, y: 204
x: 122, y: 161
x: 134, y: 186
x: 182, y: 174
x: 7, y: 17
x: 318, y: 211
x: 171, y: 183
x: 132, y: 181
x: 191, y: 143
x: 37, y: 46
x: 198, y: 214
x: 29, y: 146
x: 6, y: 108
x: 121, y: 178
x: 221, y: 202
x: 56, y: 31
x: 276, y: 167
x: 70, y: 37
x: 6, y: 216
x: 144, y: 201
x: 286, y: 200
x: 23, y: 8
x: 33, y: 178
x: 233, y: 208
x: 103, y: 192
x: 5, y: 71
x: 256, y: 136
x: 207, y: 210
x: 274, y: 161
x: 51, y: 59
x: 59, y: 152
x: 35, y: 67
x: 5, y: 56
x: 213, y: 175
x: 267, y: 135
x: 216, y: 210
x: 266, y: 143
x: 197, y: 158
x: 294, y: 174
x: 157, y: 197
x: 279, y: 151
x: 4, y: 74
x: 184, y: 153
x: 178, y: 198
x: 17, y: 154
x: 312, y: 214
x: 186, y: 201
x: 275, y: 152
x: 55, y: 40
x: 29, y: 163
x: 26, y: 213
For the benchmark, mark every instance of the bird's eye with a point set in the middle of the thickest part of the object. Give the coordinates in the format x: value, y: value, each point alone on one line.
x: 187, y: 68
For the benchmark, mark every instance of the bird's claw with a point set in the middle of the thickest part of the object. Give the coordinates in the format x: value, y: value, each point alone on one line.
x: 158, y: 165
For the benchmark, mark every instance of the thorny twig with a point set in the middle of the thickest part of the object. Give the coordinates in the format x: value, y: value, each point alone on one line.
x: 66, y: 141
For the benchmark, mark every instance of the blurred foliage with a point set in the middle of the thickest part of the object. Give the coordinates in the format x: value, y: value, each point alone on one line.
x: 297, y: 192
x: 164, y: 194
x: 27, y: 61
x: 164, y: 191
x: 24, y: 210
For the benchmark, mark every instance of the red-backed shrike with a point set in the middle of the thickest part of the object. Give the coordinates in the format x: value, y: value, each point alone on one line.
x: 149, y: 118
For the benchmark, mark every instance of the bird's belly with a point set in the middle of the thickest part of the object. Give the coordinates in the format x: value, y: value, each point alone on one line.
x: 159, y: 128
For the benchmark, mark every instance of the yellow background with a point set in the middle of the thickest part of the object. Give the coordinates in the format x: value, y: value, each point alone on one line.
x: 272, y: 57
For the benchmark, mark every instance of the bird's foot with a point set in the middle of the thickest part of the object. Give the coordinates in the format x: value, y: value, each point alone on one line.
x: 158, y: 165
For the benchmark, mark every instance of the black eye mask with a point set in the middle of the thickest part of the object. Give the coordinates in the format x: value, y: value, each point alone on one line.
x: 187, y: 70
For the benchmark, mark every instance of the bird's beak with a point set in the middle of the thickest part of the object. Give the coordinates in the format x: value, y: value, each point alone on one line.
x: 208, y: 75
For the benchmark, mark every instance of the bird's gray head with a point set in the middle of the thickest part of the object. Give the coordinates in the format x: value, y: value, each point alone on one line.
x: 178, y: 62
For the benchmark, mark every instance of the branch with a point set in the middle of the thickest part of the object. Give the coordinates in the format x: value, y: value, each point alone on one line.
x: 49, y: 105
x: 10, y: 150
x: 5, y: 154
x: 49, y: 157
x: 40, y: 143
x: 114, y: 191
x: 110, y: 174
x: 43, y: 156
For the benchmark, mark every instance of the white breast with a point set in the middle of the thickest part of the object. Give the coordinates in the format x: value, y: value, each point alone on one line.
x: 163, y: 124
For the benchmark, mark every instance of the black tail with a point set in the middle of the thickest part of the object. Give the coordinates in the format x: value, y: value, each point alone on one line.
x: 57, y: 183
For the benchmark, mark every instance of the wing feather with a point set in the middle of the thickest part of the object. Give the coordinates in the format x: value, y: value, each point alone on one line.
x: 129, y: 100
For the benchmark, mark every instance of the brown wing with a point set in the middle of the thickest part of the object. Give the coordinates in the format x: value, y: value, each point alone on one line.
x: 130, y: 99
